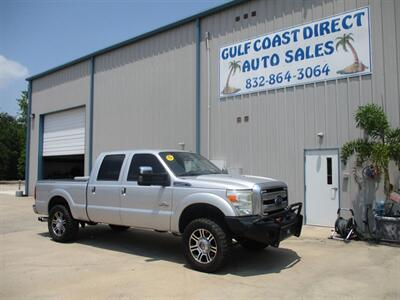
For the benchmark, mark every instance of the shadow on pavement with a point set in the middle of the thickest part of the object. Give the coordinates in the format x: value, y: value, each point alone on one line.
x: 160, y: 246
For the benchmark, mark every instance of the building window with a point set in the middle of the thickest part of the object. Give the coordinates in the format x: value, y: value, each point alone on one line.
x: 329, y: 170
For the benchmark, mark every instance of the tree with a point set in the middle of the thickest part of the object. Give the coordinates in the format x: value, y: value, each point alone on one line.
x: 234, y: 65
x: 357, y: 66
x: 380, y: 145
x: 23, y: 108
x: 22, y: 118
x: 12, y: 141
x: 9, y: 147
x: 344, y: 41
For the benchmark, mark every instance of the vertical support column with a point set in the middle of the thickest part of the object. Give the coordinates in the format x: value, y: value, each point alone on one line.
x: 40, y: 148
x: 28, y: 138
x: 91, y: 98
x: 198, y: 40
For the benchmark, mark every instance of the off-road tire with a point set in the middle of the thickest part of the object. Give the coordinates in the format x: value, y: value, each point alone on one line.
x: 118, y: 228
x: 252, y: 245
x: 223, y: 244
x: 66, y: 233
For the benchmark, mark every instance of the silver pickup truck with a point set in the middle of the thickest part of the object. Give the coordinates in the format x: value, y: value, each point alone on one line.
x: 173, y: 191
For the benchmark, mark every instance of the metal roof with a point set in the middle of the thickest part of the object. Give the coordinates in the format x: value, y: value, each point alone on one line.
x: 140, y: 37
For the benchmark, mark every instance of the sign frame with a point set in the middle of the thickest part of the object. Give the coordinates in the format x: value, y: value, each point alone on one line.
x: 344, y: 76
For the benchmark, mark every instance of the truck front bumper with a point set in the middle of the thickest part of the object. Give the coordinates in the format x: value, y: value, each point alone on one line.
x: 270, y: 229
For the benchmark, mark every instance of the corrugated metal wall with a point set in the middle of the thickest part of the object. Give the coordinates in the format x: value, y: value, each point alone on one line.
x: 144, y: 94
x: 58, y: 91
x: 284, y: 122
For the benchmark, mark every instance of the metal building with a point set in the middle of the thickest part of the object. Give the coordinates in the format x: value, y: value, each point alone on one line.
x: 163, y: 89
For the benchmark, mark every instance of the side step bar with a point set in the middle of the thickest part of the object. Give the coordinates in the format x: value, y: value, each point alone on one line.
x: 43, y: 219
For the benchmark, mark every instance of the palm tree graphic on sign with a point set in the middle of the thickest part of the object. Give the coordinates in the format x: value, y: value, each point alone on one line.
x: 233, y: 66
x: 356, y: 66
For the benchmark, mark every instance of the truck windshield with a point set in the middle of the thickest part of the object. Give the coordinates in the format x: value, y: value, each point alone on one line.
x: 188, y: 164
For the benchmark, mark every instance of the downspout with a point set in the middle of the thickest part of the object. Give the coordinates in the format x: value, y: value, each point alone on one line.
x: 91, y: 100
x: 40, y: 148
x: 207, y: 36
x: 197, y: 76
x: 28, y: 138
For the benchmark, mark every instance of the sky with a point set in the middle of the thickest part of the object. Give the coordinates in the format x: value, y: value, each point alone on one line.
x: 36, y: 35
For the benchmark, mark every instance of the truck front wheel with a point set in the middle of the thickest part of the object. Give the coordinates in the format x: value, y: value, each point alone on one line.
x: 206, y: 245
x: 62, y: 226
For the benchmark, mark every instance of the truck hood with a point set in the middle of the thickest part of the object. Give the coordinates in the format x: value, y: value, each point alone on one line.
x: 226, y: 181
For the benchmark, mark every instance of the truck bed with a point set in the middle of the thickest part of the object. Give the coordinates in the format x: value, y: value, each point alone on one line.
x: 74, y: 191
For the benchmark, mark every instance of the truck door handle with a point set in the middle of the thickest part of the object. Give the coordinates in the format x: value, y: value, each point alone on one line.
x: 123, y: 191
x: 165, y: 204
x: 93, y: 190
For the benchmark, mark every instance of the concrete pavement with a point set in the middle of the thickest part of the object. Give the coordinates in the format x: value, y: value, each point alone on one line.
x: 140, y: 264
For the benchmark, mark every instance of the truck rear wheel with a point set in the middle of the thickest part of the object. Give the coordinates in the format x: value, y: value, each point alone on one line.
x: 62, y: 226
x: 206, y: 245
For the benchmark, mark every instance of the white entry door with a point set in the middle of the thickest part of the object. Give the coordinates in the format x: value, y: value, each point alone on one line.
x: 322, y: 186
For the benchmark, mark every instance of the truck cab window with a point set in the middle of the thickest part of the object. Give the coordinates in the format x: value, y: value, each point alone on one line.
x: 144, y: 160
x: 111, y: 167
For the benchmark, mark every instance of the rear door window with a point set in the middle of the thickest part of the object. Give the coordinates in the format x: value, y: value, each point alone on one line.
x: 111, y: 167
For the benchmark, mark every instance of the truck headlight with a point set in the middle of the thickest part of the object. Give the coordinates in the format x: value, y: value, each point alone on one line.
x: 242, y: 201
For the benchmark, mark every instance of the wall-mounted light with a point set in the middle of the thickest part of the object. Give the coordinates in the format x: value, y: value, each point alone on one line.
x: 320, y: 136
x: 182, y: 145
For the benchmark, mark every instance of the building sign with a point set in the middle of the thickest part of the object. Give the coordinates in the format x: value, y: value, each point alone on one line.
x: 330, y: 48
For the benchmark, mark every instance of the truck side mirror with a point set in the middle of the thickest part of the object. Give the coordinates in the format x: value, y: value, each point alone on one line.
x: 145, y: 170
x: 147, y: 177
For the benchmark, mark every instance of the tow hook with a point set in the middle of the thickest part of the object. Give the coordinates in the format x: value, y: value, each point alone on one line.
x: 43, y: 219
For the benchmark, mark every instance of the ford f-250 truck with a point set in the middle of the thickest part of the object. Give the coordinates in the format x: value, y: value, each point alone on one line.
x: 173, y: 191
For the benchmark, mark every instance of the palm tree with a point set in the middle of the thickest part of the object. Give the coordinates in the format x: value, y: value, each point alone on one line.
x: 380, y: 145
x: 233, y: 66
x: 344, y: 41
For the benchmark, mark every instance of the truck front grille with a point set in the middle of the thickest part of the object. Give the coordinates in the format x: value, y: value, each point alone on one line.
x: 274, y: 199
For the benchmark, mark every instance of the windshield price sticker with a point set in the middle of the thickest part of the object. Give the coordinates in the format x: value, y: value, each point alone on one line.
x: 169, y: 157
x: 331, y: 48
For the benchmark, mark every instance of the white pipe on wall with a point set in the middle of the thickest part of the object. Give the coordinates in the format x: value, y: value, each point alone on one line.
x: 207, y: 36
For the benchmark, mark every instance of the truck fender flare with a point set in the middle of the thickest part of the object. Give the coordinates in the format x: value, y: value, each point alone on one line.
x: 201, y: 198
x: 63, y: 194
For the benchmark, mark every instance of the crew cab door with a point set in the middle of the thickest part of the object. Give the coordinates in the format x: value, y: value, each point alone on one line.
x: 145, y: 206
x: 104, y: 190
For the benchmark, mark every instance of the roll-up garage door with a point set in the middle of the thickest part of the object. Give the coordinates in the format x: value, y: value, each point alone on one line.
x: 64, y: 133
